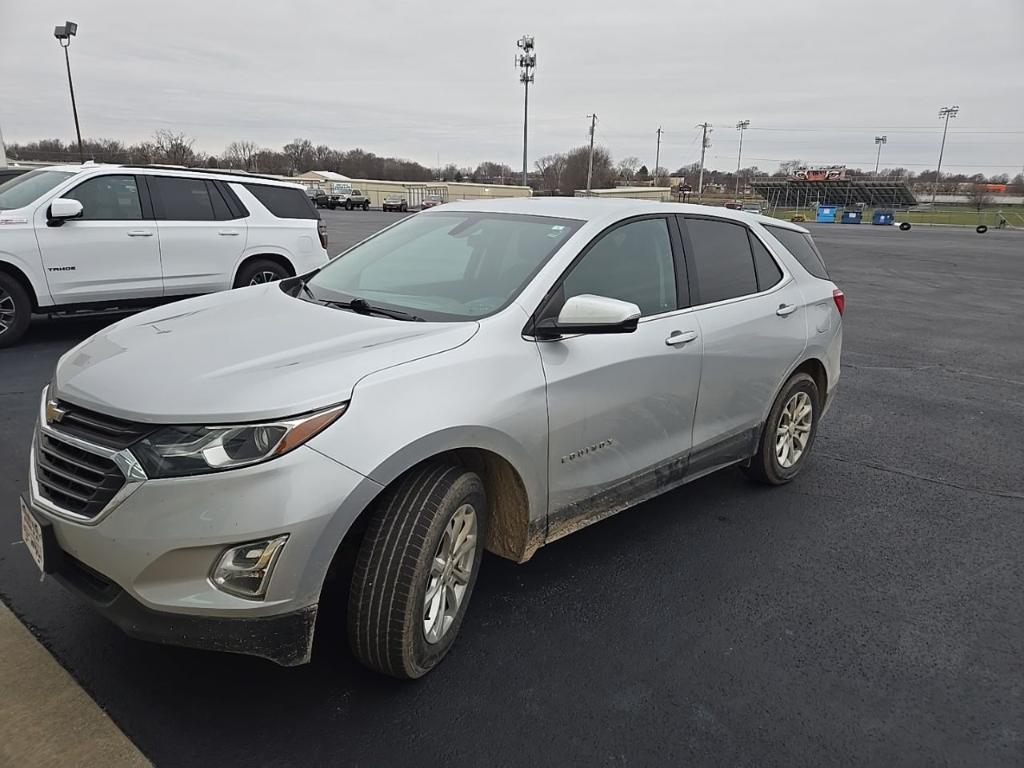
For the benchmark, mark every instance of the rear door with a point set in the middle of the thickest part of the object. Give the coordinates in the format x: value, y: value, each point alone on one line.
x: 111, y: 253
x: 753, y: 325
x: 201, y: 239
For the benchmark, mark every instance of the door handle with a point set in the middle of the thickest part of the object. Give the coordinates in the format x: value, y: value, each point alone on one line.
x: 139, y: 233
x: 785, y: 309
x: 680, y: 337
x: 228, y: 232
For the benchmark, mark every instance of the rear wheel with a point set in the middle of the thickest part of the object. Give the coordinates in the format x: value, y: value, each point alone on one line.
x: 788, y: 434
x: 416, y: 569
x: 15, y: 310
x: 366, y: 205
x: 260, y: 271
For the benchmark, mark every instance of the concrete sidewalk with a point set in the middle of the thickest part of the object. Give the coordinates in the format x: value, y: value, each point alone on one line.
x: 46, y: 719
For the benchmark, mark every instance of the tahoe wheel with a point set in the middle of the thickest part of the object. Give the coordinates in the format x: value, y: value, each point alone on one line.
x: 15, y: 310
x: 416, y: 568
x: 788, y: 434
x: 260, y: 271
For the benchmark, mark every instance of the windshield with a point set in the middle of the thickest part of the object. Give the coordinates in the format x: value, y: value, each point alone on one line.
x: 445, y: 266
x: 22, y: 190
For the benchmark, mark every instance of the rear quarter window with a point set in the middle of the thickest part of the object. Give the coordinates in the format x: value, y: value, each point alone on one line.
x: 803, y: 249
x: 283, y: 202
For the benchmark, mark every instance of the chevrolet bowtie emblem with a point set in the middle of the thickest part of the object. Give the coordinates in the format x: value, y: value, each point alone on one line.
x: 54, y: 412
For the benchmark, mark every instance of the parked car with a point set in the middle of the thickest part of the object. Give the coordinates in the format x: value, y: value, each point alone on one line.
x: 347, y: 199
x: 395, y: 203
x: 488, y: 375
x: 81, y: 238
x: 751, y: 208
x: 431, y: 201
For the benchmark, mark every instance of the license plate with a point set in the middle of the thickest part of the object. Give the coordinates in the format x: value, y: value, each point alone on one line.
x: 32, y: 535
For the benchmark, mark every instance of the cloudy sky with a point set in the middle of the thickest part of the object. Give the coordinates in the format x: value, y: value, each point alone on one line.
x: 434, y: 80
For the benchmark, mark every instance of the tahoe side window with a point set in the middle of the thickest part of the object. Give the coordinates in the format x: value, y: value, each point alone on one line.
x: 631, y: 263
x: 108, y: 198
x: 188, y: 200
x: 720, y: 255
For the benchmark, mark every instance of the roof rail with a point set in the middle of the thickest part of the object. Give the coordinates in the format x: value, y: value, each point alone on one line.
x: 218, y: 171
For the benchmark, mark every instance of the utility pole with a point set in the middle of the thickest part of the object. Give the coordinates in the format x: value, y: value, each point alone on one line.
x: 527, y: 62
x: 946, y: 112
x: 879, y: 140
x: 3, y: 150
x: 705, y: 142
x: 590, y: 164
x: 64, y: 33
x: 741, y: 126
x: 657, y: 157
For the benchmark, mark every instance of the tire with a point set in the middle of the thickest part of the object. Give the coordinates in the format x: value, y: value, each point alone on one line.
x: 982, y: 229
x: 348, y: 205
x: 366, y: 205
x: 259, y: 271
x: 905, y: 226
x: 15, y: 310
x: 765, y: 466
x: 388, y: 622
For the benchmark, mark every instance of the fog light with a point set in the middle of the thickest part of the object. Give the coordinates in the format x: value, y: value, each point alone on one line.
x: 245, y: 570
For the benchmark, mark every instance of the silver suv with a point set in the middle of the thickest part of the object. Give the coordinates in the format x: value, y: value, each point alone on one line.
x: 487, y: 375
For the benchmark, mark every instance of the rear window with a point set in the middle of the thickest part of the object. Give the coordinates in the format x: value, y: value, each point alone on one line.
x: 803, y: 249
x: 283, y: 202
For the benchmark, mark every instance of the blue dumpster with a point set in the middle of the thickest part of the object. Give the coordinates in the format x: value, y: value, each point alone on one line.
x: 826, y: 214
x: 851, y: 217
x: 883, y: 217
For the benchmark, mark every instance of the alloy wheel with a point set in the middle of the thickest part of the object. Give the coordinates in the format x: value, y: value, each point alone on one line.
x: 8, y: 311
x: 794, y: 429
x: 266, y: 276
x: 450, y: 573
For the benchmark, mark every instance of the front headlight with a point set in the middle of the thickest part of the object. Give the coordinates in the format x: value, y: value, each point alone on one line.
x: 186, y: 450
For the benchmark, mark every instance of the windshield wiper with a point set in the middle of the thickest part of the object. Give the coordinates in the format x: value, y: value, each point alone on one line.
x: 363, y: 307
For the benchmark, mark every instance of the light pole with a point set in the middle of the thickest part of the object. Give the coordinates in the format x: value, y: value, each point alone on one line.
x: 879, y: 140
x: 527, y: 62
x: 946, y: 112
x: 64, y: 33
x: 657, y: 156
x: 741, y: 126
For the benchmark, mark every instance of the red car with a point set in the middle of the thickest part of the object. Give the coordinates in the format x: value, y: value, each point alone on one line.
x: 431, y: 201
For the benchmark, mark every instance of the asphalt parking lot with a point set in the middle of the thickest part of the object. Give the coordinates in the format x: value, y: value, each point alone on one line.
x: 870, y: 613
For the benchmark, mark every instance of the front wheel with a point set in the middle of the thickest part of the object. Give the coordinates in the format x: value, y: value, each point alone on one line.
x: 366, y: 206
x: 416, y: 569
x: 788, y: 434
x: 15, y: 310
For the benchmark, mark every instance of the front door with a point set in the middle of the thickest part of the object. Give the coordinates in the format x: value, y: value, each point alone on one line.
x: 620, y: 406
x: 200, y: 241
x: 111, y: 253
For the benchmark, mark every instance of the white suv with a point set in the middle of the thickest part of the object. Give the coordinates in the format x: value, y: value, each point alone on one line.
x: 99, y: 237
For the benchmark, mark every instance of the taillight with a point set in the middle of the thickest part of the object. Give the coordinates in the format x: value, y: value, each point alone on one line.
x: 840, y: 299
x: 321, y: 229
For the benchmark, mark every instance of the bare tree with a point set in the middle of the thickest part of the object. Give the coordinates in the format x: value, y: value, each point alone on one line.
x: 240, y: 154
x: 574, y: 176
x: 550, y: 168
x: 174, y: 147
x: 301, y: 155
x: 978, y: 196
x: 626, y: 167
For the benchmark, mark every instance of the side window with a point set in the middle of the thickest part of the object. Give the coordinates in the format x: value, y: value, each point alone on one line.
x: 768, y: 272
x: 722, y: 260
x: 803, y: 250
x: 631, y: 263
x: 108, y: 198
x: 183, y: 199
x: 220, y: 207
x: 283, y: 202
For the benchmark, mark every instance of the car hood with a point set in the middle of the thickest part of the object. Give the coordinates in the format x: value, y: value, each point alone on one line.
x: 244, y: 355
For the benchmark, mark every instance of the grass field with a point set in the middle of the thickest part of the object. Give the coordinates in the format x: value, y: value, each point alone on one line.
x: 961, y: 216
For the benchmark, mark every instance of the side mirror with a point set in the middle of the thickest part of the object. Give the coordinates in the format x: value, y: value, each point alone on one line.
x: 62, y: 209
x: 591, y: 314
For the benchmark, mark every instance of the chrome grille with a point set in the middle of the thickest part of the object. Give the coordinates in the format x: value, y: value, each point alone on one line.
x: 99, y: 428
x: 75, y: 480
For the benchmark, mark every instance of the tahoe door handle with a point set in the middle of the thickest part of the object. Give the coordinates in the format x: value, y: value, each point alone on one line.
x: 680, y: 337
x: 785, y: 309
x: 228, y: 232
x: 139, y: 233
